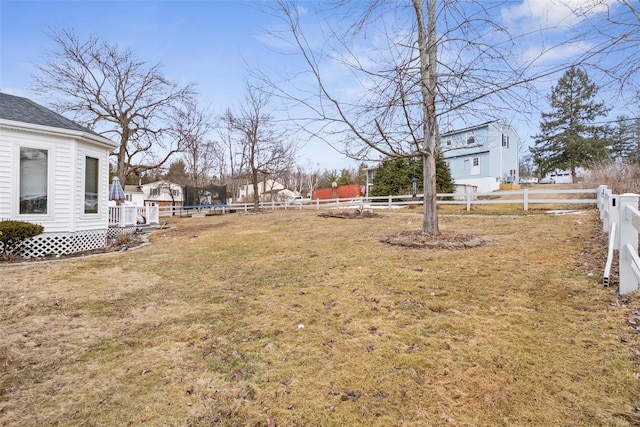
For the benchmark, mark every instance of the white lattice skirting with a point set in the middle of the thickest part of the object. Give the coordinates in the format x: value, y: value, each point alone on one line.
x: 47, y: 244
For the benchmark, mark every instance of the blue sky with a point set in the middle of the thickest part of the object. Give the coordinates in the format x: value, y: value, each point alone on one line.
x: 212, y: 43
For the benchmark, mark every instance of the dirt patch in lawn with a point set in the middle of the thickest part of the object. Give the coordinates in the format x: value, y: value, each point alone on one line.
x: 353, y: 214
x: 449, y: 240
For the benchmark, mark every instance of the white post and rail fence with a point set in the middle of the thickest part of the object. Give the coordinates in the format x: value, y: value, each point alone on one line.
x: 621, y: 220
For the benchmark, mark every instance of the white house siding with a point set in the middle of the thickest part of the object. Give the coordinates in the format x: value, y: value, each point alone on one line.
x: 6, y: 159
x: 63, y: 215
x: 98, y: 220
x: 135, y: 196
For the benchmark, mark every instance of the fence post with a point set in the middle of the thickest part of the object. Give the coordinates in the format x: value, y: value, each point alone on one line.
x: 525, y: 197
x: 390, y: 201
x: 610, y: 212
x: 600, y: 198
x: 468, y: 195
x: 628, y: 237
x: 123, y: 216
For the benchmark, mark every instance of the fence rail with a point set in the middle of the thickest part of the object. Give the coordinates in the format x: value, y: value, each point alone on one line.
x: 126, y: 216
x: 525, y: 198
x: 621, y: 219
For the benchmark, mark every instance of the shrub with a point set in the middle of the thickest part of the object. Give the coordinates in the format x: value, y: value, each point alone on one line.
x: 13, y: 233
x: 620, y: 177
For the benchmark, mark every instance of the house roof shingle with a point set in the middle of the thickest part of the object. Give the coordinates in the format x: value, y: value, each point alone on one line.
x: 24, y: 110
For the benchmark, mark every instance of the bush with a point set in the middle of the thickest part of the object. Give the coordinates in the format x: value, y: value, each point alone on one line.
x: 620, y: 177
x: 13, y: 233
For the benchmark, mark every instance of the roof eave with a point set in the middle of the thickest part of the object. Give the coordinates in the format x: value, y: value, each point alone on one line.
x: 469, y: 128
x: 96, y: 139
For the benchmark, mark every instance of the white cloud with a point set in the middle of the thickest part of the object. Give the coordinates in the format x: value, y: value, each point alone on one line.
x: 552, y: 14
x: 557, y: 54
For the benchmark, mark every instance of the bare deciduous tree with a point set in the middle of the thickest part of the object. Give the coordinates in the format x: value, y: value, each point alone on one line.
x: 263, y: 148
x: 616, y: 37
x: 118, y: 95
x: 409, y: 66
x: 193, y: 127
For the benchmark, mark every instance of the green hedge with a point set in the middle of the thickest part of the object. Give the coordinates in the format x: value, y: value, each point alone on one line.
x: 14, y: 232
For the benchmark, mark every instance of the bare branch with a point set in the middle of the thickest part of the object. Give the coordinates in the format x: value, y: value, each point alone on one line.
x: 117, y: 95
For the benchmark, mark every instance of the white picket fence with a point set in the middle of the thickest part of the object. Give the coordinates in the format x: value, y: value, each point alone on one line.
x: 621, y: 219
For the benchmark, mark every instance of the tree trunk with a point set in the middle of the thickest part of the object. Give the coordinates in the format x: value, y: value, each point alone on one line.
x: 256, y: 193
x: 427, y: 49
x: 121, y: 171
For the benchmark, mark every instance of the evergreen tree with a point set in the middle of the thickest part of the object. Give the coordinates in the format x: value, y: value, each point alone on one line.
x: 346, y: 177
x: 625, y: 139
x: 444, y: 181
x: 568, y: 137
x: 395, y: 177
x: 177, y: 173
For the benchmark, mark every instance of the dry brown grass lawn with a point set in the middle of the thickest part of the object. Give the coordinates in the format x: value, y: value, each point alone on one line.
x: 205, y: 327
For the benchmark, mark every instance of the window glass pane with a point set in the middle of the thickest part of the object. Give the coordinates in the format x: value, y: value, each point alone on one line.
x: 471, y: 139
x: 33, y: 180
x: 91, y: 185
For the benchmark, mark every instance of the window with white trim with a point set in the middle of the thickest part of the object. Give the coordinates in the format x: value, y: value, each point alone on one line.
x: 91, y: 185
x: 505, y: 141
x: 34, y: 186
x: 471, y: 138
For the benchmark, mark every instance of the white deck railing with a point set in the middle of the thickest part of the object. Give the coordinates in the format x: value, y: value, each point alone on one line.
x: 127, y: 216
x: 621, y: 219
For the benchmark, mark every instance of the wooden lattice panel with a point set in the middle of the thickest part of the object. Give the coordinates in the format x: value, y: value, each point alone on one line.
x: 116, y: 231
x: 61, y: 243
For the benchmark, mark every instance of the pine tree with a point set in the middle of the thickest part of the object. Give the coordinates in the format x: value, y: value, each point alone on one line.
x: 569, y: 137
x: 625, y: 139
x: 394, y: 177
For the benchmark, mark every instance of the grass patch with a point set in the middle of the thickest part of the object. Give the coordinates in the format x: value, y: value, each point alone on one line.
x: 236, y: 319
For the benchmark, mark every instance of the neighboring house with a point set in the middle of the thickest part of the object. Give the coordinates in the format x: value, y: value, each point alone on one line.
x: 268, y: 190
x: 134, y: 195
x: 559, y: 176
x: 55, y: 173
x: 162, y: 193
x: 484, y: 156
